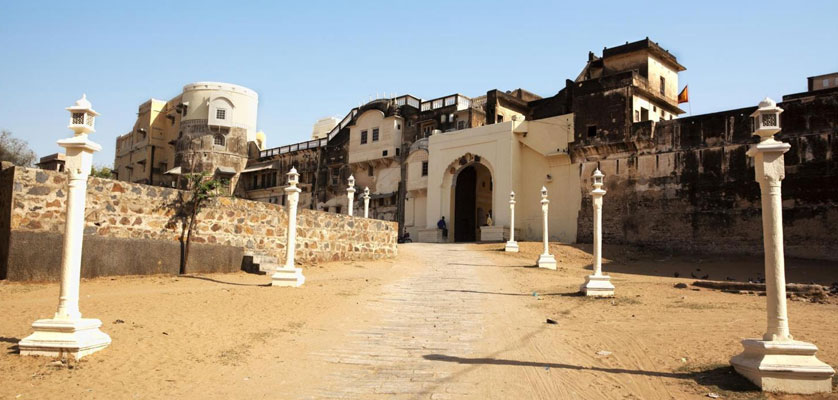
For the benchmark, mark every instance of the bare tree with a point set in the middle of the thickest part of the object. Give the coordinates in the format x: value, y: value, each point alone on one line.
x: 15, y: 150
x: 199, y: 191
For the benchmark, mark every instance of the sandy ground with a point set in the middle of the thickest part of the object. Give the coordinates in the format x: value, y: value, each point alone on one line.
x: 440, y: 321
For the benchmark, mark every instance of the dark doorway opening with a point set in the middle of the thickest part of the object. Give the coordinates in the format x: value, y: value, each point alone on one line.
x: 465, y: 201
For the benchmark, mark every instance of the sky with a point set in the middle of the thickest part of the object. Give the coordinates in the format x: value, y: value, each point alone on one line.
x: 311, y: 59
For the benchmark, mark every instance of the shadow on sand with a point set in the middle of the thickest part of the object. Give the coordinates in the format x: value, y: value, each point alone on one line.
x: 204, y: 278
x: 569, y: 294
x: 13, y: 349
x: 723, y: 377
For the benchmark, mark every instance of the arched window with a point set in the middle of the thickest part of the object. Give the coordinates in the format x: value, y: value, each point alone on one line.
x: 219, y: 139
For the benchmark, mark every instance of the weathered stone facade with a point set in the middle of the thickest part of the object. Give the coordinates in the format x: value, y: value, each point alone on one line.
x: 687, y: 185
x: 145, y: 216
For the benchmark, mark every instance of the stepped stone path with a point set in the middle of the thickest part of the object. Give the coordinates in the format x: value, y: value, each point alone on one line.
x: 430, y: 311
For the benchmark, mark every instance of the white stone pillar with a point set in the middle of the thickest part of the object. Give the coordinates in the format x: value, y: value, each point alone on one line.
x: 288, y: 274
x: 366, y: 202
x: 511, y: 244
x: 350, y: 194
x: 777, y: 362
x: 597, y: 284
x: 546, y: 260
x: 67, y: 333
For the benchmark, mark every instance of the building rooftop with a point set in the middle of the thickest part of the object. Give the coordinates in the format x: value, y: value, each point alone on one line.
x: 220, y: 86
x: 645, y: 44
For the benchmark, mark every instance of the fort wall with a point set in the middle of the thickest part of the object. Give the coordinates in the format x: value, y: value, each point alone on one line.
x: 687, y: 184
x: 134, y: 229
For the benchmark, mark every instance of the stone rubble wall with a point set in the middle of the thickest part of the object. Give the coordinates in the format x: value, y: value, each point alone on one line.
x: 146, y: 214
x: 692, y: 188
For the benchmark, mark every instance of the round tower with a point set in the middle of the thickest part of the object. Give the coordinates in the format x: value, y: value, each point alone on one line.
x: 218, y: 120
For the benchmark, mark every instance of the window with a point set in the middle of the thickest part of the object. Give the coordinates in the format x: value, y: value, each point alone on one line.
x: 363, y: 137
x: 78, y: 118
x: 397, y: 151
x: 500, y: 118
x: 825, y: 84
x: 442, y: 118
x: 335, y: 175
x: 424, y: 168
x: 591, y: 131
x: 370, y: 171
x: 218, y: 139
x: 384, y: 153
x: 636, y: 115
x: 461, y: 124
x: 374, y: 134
x: 220, y: 113
x: 663, y: 86
x: 426, y: 130
x: 398, y: 127
x: 644, y: 114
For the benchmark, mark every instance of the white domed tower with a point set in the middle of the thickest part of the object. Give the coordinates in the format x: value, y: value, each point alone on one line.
x: 218, y: 120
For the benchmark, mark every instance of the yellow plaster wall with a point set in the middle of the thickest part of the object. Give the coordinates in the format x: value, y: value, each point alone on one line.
x: 389, y: 136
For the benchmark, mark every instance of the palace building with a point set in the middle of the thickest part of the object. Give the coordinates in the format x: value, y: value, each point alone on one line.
x: 459, y: 157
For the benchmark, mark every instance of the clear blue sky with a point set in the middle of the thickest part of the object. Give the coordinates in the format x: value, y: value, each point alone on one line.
x: 309, y: 59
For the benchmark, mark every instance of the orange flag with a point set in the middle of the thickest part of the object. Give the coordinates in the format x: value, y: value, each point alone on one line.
x: 684, y: 96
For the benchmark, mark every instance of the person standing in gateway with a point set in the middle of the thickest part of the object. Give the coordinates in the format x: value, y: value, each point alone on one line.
x: 442, y: 225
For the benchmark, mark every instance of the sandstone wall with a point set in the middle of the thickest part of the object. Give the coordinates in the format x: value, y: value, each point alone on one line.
x: 128, y: 217
x: 687, y: 184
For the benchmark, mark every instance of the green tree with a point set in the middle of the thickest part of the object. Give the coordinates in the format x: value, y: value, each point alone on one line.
x: 101, y: 172
x: 200, y: 190
x: 15, y: 150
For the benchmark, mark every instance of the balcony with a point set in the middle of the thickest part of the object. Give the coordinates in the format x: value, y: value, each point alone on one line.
x: 311, y: 144
x: 460, y: 101
x: 408, y: 100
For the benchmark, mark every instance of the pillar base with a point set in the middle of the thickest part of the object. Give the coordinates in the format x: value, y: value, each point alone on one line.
x: 290, y: 277
x: 511, y: 247
x: 58, y: 338
x: 547, y: 261
x: 783, y: 366
x: 597, y: 286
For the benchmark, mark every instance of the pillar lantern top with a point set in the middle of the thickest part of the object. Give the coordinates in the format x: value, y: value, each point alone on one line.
x: 367, y: 191
x: 765, y: 121
x: 543, y: 194
x: 351, y: 180
x: 512, y: 197
x: 82, y: 116
x: 598, y: 178
x: 293, y: 177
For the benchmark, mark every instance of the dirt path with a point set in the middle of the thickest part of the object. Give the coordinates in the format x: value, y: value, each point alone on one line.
x: 438, y: 322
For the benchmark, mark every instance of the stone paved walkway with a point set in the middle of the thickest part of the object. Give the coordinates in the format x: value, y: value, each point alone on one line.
x: 427, y: 312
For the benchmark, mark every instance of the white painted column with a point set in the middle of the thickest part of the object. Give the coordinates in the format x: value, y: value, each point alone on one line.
x: 597, y: 284
x: 67, y: 333
x: 288, y: 274
x: 546, y: 260
x: 366, y: 202
x: 775, y: 277
x: 511, y: 244
x: 777, y: 362
x: 350, y: 194
x: 68, y: 298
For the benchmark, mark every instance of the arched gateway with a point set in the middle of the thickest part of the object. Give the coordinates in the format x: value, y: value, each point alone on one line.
x: 471, y: 195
